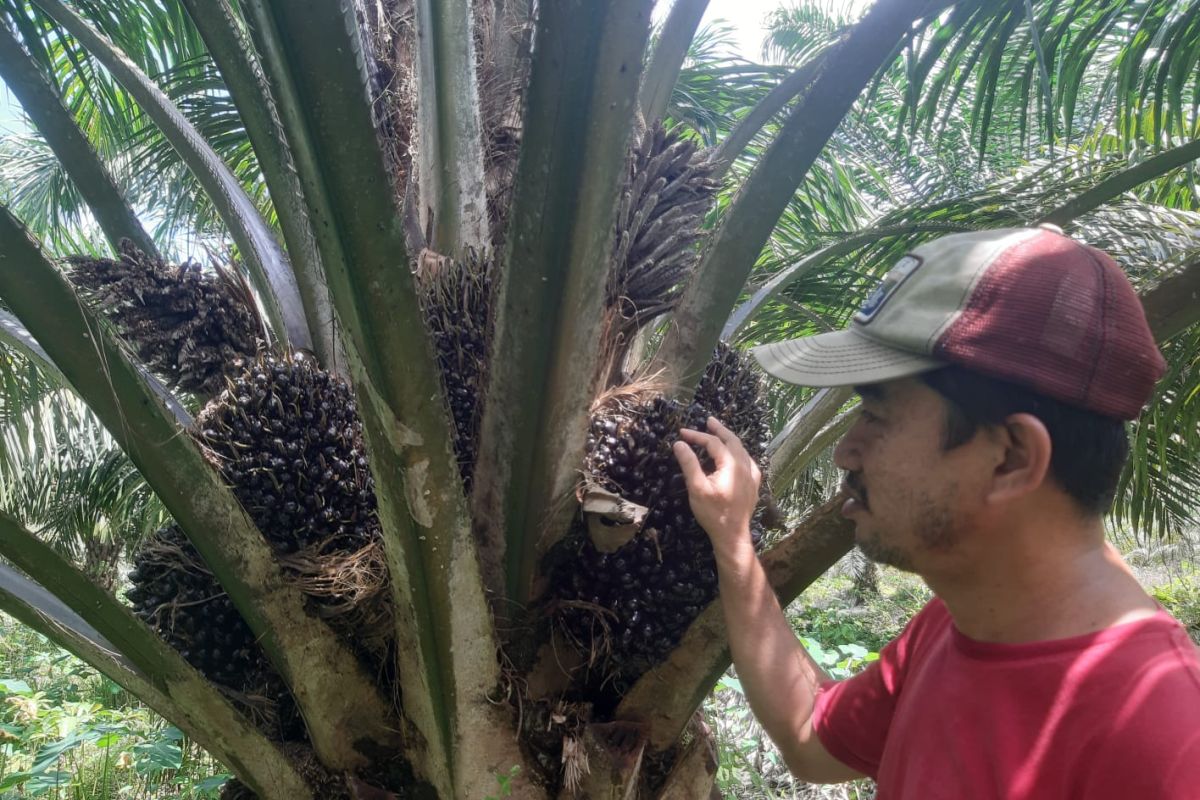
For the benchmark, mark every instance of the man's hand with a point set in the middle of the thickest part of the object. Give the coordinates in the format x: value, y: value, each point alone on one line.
x: 724, y: 500
x: 779, y: 678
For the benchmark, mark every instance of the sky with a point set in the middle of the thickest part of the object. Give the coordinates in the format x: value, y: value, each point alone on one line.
x: 746, y: 17
x: 10, y: 120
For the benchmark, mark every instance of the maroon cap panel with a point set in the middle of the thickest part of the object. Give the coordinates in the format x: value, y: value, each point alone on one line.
x: 1133, y: 364
x: 1061, y: 319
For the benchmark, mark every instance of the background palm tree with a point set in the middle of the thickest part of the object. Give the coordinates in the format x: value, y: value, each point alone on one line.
x: 324, y: 147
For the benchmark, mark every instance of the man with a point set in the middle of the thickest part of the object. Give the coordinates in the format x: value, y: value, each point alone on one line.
x: 995, y: 369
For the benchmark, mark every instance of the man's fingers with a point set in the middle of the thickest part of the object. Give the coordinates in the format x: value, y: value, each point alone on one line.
x: 727, y: 437
x: 692, y: 471
x: 719, y: 452
x: 697, y: 437
x: 719, y: 430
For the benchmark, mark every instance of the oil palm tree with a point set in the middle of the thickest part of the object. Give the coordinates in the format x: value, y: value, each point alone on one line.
x: 372, y: 163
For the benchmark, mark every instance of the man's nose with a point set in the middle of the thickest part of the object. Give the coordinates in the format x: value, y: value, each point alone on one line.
x: 848, y: 454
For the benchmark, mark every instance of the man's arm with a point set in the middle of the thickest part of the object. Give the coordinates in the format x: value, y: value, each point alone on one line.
x: 779, y: 678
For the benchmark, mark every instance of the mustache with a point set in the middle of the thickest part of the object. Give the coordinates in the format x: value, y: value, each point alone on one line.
x: 852, y: 484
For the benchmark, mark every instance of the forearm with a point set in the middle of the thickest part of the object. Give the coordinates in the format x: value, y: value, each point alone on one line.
x: 778, y: 676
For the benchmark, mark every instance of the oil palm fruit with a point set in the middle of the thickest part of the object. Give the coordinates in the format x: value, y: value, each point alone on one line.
x: 286, y: 437
x: 634, y: 604
x: 175, y: 594
x: 457, y: 300
x: 666, y: 194
x: 187, y: 325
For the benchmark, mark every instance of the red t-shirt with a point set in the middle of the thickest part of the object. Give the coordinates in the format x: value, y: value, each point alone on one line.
x: 1111, y: 715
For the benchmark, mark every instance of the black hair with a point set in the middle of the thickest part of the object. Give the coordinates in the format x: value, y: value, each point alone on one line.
x: 1088, y: 450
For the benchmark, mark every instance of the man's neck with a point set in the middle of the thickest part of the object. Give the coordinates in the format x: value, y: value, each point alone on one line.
x: 1035, y: 590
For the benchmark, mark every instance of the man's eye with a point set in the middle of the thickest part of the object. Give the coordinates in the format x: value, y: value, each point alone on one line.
x: 869, y: 417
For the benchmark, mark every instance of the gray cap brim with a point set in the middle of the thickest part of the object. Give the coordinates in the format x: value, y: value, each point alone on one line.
x: 839, y: 358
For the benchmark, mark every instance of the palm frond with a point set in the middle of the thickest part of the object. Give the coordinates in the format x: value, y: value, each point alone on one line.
x: 1120, y: 73
x: 799, y: 30
x: 1156, y: 497
x: 715, y: 90
x: 65, y: 477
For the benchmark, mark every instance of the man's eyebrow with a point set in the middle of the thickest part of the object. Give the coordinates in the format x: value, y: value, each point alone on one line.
x: 870, y: 391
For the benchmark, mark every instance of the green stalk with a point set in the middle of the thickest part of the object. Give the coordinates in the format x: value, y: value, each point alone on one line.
x: 15, y: 334
x: 40, y: 100
x: 790, y: 462
x: 233, y: 54
x: 310, y: 657
x: 662, y: 72
x: 580, y: 110
x: 791, y: 449
x: 1124, y: 181
x: 1173, y: 305
x: 741, y: 136
x: 28, y: 592
x: 450, y: 158
x: 713, y: 290
x: 166, y: 682
x: 255, y: 240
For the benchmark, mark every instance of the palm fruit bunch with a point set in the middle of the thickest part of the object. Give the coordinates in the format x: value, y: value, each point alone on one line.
x: 186, y: 325
x: 174, y: 593
x: 667, y: 192
x: 457, y: 300
x: 287, y: 438
x: 732, y: 391
x: 634, y: 603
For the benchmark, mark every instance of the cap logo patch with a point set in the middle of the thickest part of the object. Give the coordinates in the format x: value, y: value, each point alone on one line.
x: 886, y: 288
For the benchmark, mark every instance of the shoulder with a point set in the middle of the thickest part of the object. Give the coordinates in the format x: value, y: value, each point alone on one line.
x: 1147, y: 739
x: 1151, y: 666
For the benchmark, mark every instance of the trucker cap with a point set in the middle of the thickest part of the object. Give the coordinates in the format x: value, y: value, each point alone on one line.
x: 1025, y: 305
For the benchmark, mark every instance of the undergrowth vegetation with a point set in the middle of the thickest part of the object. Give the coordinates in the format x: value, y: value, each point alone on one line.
x: 69, y: 733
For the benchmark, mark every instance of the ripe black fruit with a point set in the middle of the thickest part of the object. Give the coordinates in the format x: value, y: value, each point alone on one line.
x: 647, y: 593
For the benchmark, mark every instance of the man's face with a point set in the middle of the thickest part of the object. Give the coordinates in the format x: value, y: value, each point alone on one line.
x: 911, y: 501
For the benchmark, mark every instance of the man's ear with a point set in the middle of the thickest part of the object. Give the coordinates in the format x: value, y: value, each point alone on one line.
x: 1025, y: 458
